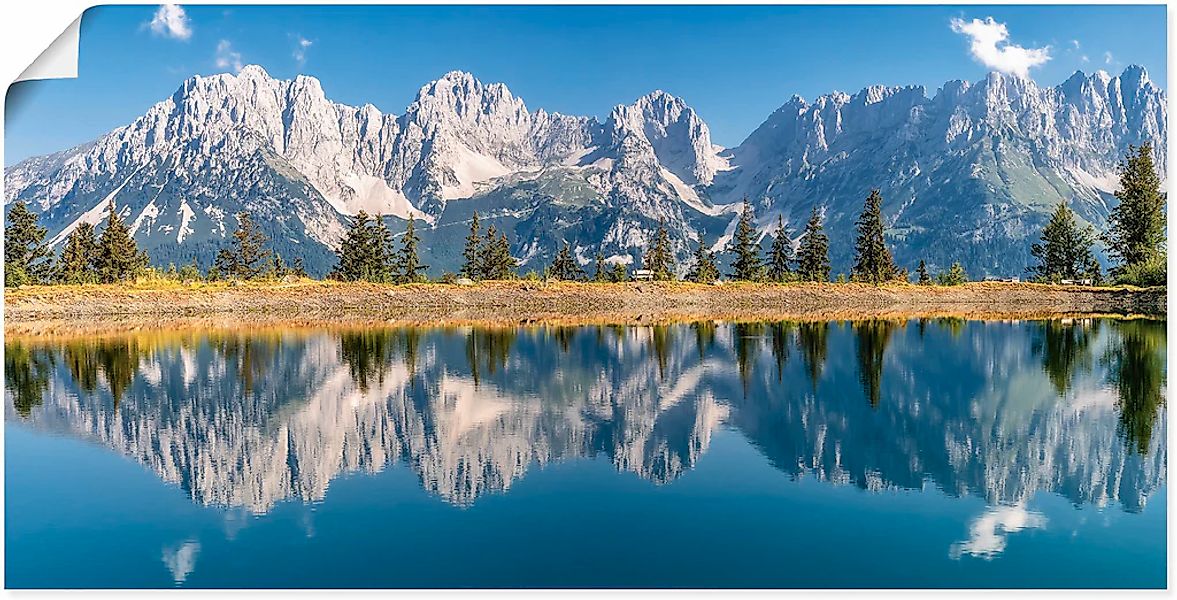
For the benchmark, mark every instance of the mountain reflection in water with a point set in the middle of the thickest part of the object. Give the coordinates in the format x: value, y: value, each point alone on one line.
x: 999, y: 410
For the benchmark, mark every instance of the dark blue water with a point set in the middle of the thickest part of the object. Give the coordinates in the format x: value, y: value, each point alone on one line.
x: 935, y: 453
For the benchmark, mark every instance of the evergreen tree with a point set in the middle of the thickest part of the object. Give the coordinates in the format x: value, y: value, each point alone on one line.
x: 924, y: 277
x: 225, y: 265
x: 1065, y: 250
x: 780, y: 255
x: 472, y: 253
x: 564, y: 266
x: 247, y: 256
x: 704, y: 269
x: 744, y: 245
x: 27, y: 259
x: 119, y: 258
x: 278, y: 267
x: 1136, y: 226
x: 408, y: 264
x: 383, y: 253
x: 618, y: 273
x: 813, y: 259
x: 356, y: 251
x: 298, y: 269
x: 495, y: 261
x: 658, y: 257
x: 78, y: 262
x: 601, y: 274
x: 872, y: 263
x: 955, y: 275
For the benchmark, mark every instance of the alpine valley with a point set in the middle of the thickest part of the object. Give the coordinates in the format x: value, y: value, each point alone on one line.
x: 969, y: 173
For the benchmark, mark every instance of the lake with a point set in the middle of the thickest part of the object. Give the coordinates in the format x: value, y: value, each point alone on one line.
x: 884, y: 453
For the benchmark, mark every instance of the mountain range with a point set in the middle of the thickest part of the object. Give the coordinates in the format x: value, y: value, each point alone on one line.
x: 981, y: 163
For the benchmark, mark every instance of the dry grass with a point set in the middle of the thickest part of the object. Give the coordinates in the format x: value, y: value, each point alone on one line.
x: 43, y: 310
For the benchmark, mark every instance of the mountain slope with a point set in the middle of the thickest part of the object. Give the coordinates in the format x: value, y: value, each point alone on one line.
x: 980, y: 162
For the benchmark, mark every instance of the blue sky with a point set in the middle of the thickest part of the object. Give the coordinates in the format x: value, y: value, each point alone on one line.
x: 734, y: 65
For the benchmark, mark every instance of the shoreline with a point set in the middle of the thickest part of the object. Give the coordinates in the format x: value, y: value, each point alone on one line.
x: 173, y: 305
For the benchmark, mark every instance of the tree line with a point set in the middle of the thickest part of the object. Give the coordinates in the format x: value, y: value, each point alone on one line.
x: 369, y: 252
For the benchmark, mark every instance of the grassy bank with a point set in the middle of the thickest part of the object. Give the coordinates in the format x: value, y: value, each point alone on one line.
x: 163, y: 303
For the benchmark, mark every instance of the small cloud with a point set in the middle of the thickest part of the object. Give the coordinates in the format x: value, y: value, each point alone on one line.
x: 991, y: 47
x: 227, y: 58
x: 301, y: 45
x: 1075, y: 44
x: 171, y: 21
x: 1085, y: 59
x: 1108, y: 58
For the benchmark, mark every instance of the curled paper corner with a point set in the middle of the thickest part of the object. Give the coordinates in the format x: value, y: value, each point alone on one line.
x: 59, y: 60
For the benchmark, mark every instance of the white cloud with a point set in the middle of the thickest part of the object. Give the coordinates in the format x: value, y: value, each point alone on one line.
x: 990, y: 45
x: 171, y: 21
x: 1108, y: 58
x: 1075, y: 44
x: 227, y: 57
x: 300, y: 50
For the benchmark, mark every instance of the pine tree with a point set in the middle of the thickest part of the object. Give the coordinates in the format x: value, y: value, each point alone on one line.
x: 813, y: 259
x: 355, y: 250
x: 619, y: 273
x: 780, y: 255
x: 471, y: 254
x: 744, y: 245
x: 298, y: 269
x: 873, y: 262
x: 225, y: 264
x: 78, y: 261
x: 704, y: 269
x: 408, y: 264
x: 564, y: 266
x: 383, y: 253
x: 495, y: 262
x: 955, y: 275
x: 924, y: 277
x: 1065, y: 251
x: 119, y: 258
x: 248, y: 257
x: 1136, y: 226
x: 601, y: 274
x: 278, y: 267
x: 27, y: 259
x: 658, y: 257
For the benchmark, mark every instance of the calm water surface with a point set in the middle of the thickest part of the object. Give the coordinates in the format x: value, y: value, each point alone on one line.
x: 822, y: 454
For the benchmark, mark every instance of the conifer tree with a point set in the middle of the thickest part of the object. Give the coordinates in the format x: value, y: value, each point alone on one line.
x: 247, y: 256
x: 1136, y: 226
x: 564, y: 266
x: 601, y: 274
x: 278, y: 267
x: 780, y: 255
x: 119, y: 258
x: 704, y: 269
x: 744, y: 245
x: 658, y: 257
x: 78, y: 261
x: 618, y: 273
x: 813, y: 259
x: 924, y: 277
x: 383, y: 252
x: 27, y: 259
x: 873, y: 262
x: 409, y: 268
x: 225, y: 265
x: 1065, y: 250
x: 472, y: 253
x: 955, y: 276
x: 495, y: 261
x: 298, y: 269
x: 356, y: 250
